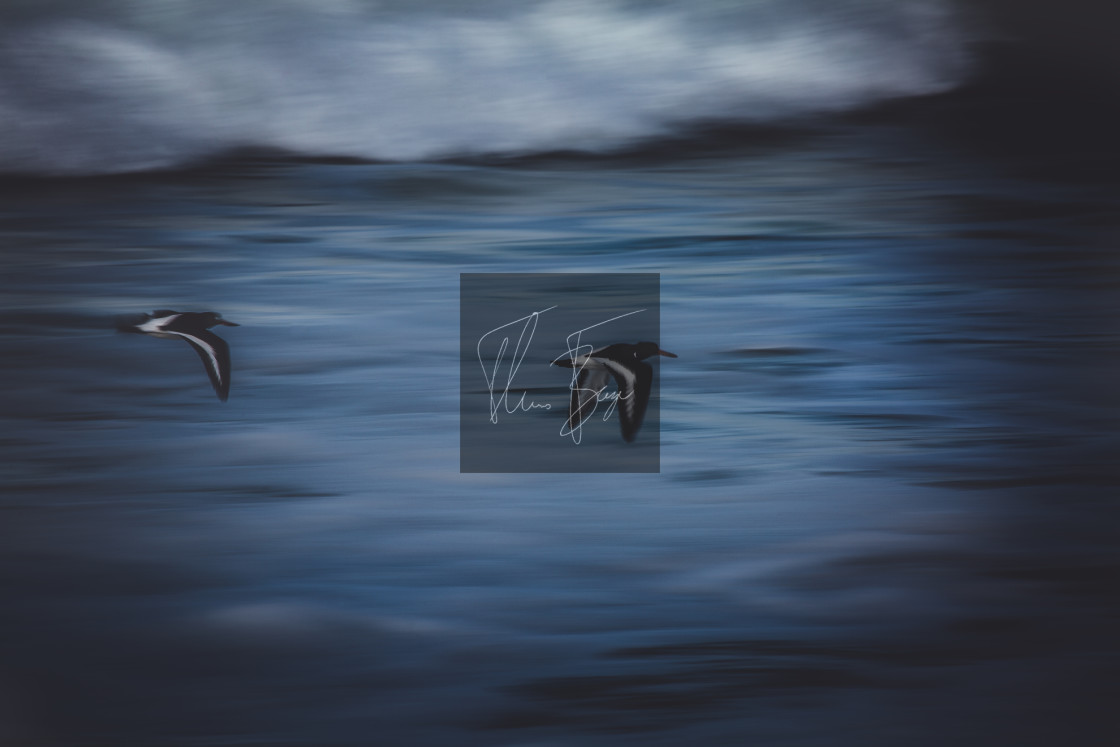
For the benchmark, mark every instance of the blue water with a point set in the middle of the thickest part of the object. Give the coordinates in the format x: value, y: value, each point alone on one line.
x: 886, y: 458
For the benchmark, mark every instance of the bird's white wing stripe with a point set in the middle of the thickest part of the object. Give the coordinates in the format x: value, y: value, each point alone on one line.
x: 591, y: 382
x: 157, y: 324
x: 594, y: 379
x: 213, y: 363
x: 626, y: 376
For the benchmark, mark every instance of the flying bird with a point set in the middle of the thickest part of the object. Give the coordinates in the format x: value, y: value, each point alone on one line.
x: 626, y: 364
x: 194, y: 327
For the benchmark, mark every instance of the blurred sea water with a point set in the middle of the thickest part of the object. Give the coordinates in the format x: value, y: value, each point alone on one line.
x: 887, y: 457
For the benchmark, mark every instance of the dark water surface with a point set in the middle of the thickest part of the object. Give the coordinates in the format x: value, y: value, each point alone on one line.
x: 888, y: 456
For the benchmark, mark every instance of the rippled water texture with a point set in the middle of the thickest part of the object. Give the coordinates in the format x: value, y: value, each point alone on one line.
x: 887, y: 452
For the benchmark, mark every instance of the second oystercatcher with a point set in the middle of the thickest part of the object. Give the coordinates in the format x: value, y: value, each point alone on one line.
x: 626, y: 364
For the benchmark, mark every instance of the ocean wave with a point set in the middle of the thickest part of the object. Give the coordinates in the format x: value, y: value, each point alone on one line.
x: 121, y: 85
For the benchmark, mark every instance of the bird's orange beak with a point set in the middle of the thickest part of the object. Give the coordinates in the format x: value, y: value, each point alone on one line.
x: 666, y: 353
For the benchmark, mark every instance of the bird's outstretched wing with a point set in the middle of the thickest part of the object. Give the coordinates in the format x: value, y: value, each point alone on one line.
x: 214, y: 353
x: 585, y: 396
x: 634, y: 384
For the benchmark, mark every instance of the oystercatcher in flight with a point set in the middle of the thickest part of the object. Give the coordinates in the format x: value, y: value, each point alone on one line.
x: 194, y: 328
x: 626, y: 363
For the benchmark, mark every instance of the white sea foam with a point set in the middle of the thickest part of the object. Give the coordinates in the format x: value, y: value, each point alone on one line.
x: 122, y: 84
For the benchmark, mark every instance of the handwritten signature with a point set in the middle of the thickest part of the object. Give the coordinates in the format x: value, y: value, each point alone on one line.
x: 501, y: 401
x: 598, y: 378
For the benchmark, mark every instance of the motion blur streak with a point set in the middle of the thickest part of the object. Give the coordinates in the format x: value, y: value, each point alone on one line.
x: 887, y: 508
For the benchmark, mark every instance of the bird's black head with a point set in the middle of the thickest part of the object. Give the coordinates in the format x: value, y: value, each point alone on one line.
x: 212, y: 318
x: 644, y: 350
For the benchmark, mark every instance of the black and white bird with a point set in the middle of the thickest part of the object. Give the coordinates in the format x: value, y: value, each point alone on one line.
x: 194, y: 327
x: 626, y: 364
